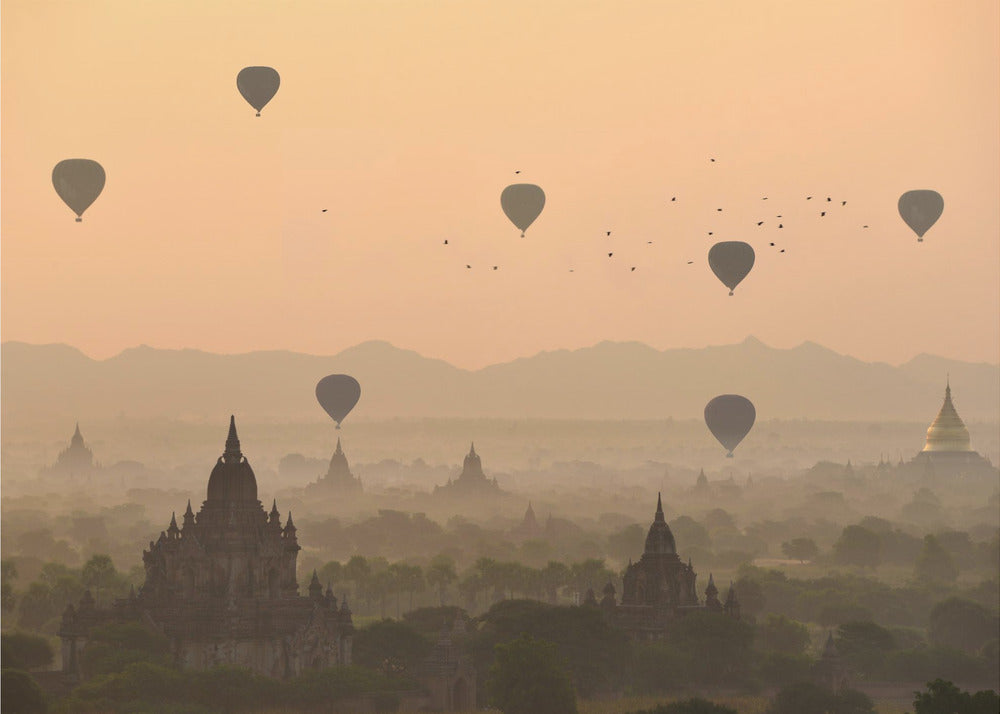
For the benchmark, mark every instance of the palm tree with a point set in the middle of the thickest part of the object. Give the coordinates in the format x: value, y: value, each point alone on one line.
x: 440, y: 574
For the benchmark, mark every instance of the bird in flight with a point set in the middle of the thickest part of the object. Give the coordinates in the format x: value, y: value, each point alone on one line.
x: 517, y: 172
x: 712, y: 160
x: 764, y: 199
x: 710, y: 232
x: 864, y: 226
x: 633, y: 269
x: 610, y: 254
x: 827, y: 199
x: 781, y: 225
x: 649, y: 242
x: 674, y: 198
x: 843, y: 203
x: 822, y: 213
x: 718, y: 209
x: 690, y: 262
x: 782, y: 250
x: 808, y: 198
x: 468, y: 266
x: 760, y: 223
x: 446, y: 241
x: 772, y: 244
x: 494, y: 267
x: 324, y: 210
x: 609, y: 232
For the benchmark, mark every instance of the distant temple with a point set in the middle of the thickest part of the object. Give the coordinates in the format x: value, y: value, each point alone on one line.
x: 75, y: 460
x: 222, y: 588
x: 339, y: 477
x: 948, y: 449
x: 472, y: 481
x: 448, y: 673
x: 529, y: 527
x: 661, y: 587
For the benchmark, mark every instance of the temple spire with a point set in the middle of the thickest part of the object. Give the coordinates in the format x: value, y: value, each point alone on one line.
x: 232, y: 453
x: 472, y: 448
x: 659, y: 509
x: 339, y: 450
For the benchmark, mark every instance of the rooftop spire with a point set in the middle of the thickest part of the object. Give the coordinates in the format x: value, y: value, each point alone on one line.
x: 659, y: 509
x: 232, y: 453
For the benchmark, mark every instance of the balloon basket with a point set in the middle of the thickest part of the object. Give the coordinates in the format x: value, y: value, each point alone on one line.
x: 920, y: 240
x: 522, y: 234
x: 729, y: 455
x: 338, y: 427
x: 730, y: 293
x: 79, y: 220
x: 258, y: 113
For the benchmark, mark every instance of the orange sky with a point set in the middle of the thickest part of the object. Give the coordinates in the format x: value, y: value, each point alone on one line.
x: 407, y: 119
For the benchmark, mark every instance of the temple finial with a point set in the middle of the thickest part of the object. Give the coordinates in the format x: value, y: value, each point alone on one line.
x: 659, y: 508
x: 232, y: 452
x: 339, y: 450
x: 472, y: 448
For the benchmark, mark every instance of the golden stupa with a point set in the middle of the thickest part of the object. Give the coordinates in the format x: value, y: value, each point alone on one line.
x: 948, y: 432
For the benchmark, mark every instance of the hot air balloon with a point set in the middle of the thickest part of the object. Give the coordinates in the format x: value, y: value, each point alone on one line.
x: 522, y: 202
x: 78, y: 182
x: 337, y: 394
x: 730, y: 417
x: 731, y: 262
x: 258, y: 85
x: 920, y: 210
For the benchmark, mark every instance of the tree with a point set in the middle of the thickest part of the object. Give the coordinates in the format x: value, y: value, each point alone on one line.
x: 779, y: 634
x: 36, y: 606
x: 21, y: 693
x: 440, y: 574
x: 8, y: 573
x: 962, y: 624
x: 804, y: 697
x: 19, y: 650
x: 864, y: 645
x: 99, y: 574
x: 389, y: 641
x: 943, y: 697
x: 528, y: 676
x: 750, y: 594
x: 554, y: 576
x: 934, y: 564
x: 719, y: 646
x: 858, y: 546
x: 689, y: 706
x: 800, y: 549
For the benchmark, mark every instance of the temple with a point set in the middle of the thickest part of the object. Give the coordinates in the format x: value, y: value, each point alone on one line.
x: 948, y: 448
x: 472, y: 481
x: 528, y: 528
x: 661, y: 587
x: 222, y: 588
x: 75, y: 460
x: 338, y: 476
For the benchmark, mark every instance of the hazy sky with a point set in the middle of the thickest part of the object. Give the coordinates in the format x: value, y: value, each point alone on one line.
x: 407, y: 119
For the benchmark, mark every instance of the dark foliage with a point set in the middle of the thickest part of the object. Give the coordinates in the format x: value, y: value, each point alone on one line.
x: 528, y: 676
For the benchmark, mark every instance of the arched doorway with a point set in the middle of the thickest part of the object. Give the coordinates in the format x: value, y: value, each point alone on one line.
x: 460, y: 696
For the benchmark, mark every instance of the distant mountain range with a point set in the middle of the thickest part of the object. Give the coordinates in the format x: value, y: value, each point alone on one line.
x: 611, y: 380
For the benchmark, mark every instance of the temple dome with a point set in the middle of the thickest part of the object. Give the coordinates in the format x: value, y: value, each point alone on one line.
x: 232, y: 479
x: 948, y: 432
x: 660, y: 539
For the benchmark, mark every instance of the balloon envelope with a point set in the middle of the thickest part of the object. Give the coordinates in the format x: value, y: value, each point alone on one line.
x: 258, y: 85
x: 730, y: 417
x: 731, y: 262
x: 337, y: 394
x: 78, y: 182
x: 920, y: 210
x: 522, y: 202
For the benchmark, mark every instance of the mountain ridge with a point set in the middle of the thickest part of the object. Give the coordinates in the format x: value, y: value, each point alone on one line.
x: 615, y: 380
